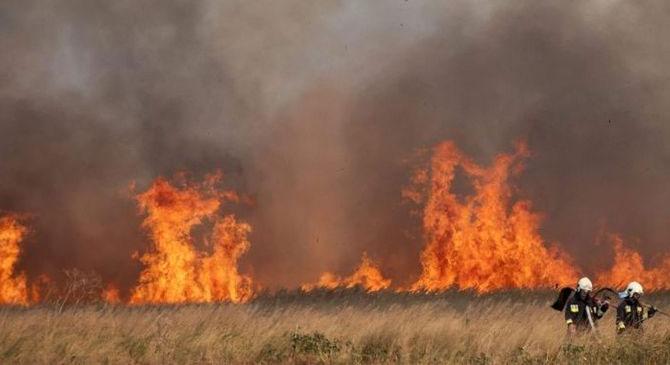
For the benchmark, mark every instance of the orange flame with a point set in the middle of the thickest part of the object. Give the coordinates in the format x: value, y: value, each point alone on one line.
x: 176, y: 271
x: 111, y: 294
x: 367, y: 275
x: 484, y: 242
x: 13, y: 289
x: 629, y: 266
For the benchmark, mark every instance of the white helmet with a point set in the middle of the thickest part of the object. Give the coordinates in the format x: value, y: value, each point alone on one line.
x: 634, y: 288
x: 584, y: 284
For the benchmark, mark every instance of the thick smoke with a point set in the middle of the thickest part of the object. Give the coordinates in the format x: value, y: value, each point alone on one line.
x: 316, y: 110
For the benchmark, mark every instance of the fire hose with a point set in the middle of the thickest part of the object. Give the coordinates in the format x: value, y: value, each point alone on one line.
x: 588, y: 315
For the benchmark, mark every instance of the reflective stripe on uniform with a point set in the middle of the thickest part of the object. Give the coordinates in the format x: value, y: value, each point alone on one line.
x: 621, y: 326
x: 569, y: 321
x: 574, y: 308
x: 628, y: 309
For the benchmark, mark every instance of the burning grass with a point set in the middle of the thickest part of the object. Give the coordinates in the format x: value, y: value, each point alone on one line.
x: 341, y: 326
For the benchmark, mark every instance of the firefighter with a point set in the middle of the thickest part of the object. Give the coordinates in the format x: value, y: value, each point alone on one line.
x: 630, y: 312
x: 582, y: 310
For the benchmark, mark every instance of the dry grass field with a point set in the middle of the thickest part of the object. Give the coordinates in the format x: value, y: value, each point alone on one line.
x: 325, y: 327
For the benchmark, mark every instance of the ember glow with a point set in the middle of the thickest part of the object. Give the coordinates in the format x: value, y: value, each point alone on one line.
x: 485, y: 241
x: 175, y: 270
x: 367, y: 275
x: 13, y: 288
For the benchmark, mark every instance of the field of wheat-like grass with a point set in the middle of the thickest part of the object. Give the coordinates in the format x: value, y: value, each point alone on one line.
x: 325, y: 327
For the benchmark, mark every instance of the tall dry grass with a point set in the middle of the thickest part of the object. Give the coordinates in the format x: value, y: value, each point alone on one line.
x: 325, y: 327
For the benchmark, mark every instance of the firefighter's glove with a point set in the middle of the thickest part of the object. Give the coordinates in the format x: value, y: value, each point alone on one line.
x: 652, y: 310
x: 605, y: 306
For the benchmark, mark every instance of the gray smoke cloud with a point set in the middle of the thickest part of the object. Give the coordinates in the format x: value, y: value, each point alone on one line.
x: 315, y: 109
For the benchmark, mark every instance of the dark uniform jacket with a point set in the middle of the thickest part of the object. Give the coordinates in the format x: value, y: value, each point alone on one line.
x: 575, y: 312
x: 630, y: 314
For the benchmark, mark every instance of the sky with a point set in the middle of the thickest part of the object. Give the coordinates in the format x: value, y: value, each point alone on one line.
x: 317, y: 110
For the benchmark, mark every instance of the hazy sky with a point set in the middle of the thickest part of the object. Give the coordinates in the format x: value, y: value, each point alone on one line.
x: 316, y: 109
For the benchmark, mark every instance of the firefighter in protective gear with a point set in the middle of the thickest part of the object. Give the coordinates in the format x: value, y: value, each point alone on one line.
x: 582, y: 310
x: 631, y: 313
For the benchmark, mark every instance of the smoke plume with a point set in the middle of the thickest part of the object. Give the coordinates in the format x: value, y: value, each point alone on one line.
x: 316, y: 111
